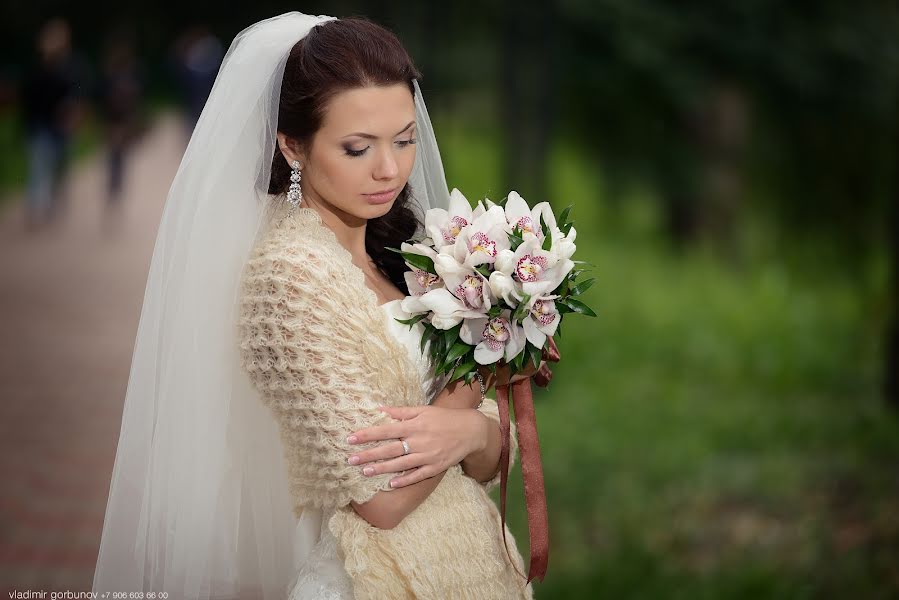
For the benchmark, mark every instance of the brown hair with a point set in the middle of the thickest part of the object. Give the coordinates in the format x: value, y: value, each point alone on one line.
x: 335, y: 56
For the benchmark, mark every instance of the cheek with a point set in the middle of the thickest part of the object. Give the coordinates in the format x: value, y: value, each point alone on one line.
x: 339, y: 178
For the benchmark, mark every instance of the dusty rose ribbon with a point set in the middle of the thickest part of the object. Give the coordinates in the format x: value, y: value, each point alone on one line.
x: 531, y: 472
x: 531, y: 467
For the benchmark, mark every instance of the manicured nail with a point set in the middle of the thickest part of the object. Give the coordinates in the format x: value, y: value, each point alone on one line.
x: 354, y: 460
x: 393, y: 484
x: 351, y: 440
x: 368, y: 470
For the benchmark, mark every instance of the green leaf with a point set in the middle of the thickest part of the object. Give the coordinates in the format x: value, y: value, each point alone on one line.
x: 576, y: 272
x: 582, y: 287
x: 559, y: 328
x: 484, y: 270
x: 427, y: 335
x: 563, y: 217
x: 412, y: 321
x: 515, y: 239
x: 561, y: 307
x: 451, y: 335
x: 459, y: 349
x: 518, y: 362
x: 494, y: 311
x: 420, y: 262
x: 547, y: 235
x: 463, y: 368
x: 583, y: 262
x: 469, y: 377
x: 566, y: 228
x: 536, y: 355
x: 579, y: 307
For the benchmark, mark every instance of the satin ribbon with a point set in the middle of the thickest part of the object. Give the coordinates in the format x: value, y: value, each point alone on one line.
x: 531, y: 471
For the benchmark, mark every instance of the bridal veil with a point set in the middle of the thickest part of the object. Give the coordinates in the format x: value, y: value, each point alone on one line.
x: 198, y: 504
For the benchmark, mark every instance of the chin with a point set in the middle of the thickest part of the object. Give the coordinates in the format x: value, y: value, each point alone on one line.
x: 379, y: 210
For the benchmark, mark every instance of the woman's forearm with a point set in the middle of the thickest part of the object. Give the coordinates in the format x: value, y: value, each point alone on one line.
x: 386, y: 509
x: 482, y: 464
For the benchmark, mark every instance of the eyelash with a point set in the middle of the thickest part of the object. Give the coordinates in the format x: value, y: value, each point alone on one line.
x: 354, y: 153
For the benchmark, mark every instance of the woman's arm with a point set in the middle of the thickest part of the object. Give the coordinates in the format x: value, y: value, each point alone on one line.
x: 387, y: 509
x: 301, y: 349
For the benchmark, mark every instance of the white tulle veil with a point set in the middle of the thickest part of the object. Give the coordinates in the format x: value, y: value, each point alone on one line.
x: 198, y: 504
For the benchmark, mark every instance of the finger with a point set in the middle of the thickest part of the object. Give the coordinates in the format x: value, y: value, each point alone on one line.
x: 382, y: 452
x: 379, y: 432
x: 419, y: 474
x: 395, y: 465
x: 403, y: 412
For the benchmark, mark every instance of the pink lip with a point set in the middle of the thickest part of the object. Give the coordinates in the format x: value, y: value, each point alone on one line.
x: 381, y: 197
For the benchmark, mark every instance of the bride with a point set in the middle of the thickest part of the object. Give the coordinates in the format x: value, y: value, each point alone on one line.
x: 268, y: 337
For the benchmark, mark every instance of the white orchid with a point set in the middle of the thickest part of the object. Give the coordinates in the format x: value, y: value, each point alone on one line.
x: 542, y: 320
x: 447, y: 310
x: 493, y: 338
x: 520, y: 215
x: 502, y: 284
x: 481, y: 207
x: 418, y: 280
x: 480, y: 242
x: 442, y: 226
x: 539, y: 271
x: 465, y: 283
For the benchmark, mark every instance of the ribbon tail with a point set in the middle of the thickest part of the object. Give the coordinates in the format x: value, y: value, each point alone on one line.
x: 531, y: 469
x: 502, y: 404
x: 532, y: 474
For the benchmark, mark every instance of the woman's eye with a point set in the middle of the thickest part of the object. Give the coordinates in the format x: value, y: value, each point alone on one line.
x: 351, y: 152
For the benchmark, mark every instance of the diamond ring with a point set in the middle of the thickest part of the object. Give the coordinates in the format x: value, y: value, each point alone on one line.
x: 405, y: 447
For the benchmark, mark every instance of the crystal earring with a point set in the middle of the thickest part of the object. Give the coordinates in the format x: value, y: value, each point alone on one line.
x: 294, y: 193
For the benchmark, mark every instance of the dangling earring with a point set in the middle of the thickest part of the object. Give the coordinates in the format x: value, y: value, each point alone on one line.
x: 294, y: 193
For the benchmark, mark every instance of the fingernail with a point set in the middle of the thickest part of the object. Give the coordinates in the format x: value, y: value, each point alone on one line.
x: 393, y: 484
x: 368, y: 470
x: 354, y: 460
x: 351, y: 440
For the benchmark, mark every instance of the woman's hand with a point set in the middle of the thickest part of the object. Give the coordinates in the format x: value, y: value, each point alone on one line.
x: 438, y: 438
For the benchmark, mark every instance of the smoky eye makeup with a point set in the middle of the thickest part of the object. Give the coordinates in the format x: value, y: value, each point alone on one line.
x: 350, y: 151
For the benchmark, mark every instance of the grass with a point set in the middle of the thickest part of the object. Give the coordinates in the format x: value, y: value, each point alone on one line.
x: 715, y: 432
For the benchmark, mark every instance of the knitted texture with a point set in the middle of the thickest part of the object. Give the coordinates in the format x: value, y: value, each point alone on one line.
x: 314, y: 343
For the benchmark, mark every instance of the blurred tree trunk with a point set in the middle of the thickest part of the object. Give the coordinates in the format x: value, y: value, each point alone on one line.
x: 511, y: 93
x: 529, y: 80
x: 891, y: 383
x: 546, y: 105
x: 722, y: 141
x: 703, y: 176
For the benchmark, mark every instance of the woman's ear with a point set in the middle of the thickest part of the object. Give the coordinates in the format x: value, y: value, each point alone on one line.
x: 289, y: 150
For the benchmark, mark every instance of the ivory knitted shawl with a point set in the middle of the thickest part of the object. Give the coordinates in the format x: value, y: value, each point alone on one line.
x: 314, y: 341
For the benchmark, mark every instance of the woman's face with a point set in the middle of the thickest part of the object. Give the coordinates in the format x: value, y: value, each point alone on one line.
x: 366, y: 144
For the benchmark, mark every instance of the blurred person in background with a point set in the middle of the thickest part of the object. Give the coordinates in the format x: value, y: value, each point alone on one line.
x: 197, y: 57
x: 120, y: 95
x: 50, y: 104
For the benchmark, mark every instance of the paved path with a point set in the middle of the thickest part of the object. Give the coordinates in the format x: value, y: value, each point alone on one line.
x: 70, y: 302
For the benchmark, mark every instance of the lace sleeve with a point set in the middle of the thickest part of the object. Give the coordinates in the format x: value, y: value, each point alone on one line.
x: 300, y: 347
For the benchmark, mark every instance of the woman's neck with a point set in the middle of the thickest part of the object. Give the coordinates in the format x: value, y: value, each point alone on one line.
x: 348, y: 229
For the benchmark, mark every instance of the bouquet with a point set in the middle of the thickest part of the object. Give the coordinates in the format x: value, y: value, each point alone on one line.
x: 491, y: 285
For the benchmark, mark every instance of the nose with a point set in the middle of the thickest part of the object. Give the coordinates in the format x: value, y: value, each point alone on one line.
x: 386, y: 167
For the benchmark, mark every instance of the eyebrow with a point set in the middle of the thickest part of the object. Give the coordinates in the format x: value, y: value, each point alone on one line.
x: 374, y: 137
